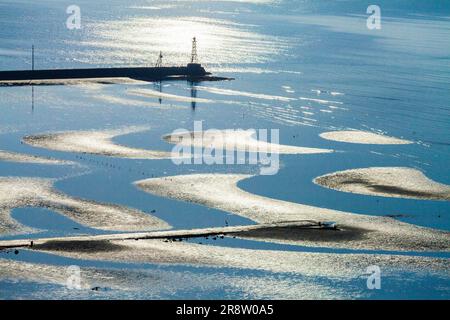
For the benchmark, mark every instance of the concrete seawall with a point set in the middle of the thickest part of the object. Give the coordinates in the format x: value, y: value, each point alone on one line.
x: 191, y: 71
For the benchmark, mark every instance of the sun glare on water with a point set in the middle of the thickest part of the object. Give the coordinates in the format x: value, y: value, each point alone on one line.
x: 139, y: 40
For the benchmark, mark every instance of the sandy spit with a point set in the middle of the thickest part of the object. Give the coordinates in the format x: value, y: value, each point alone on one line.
x: 94, y: 142
x: 174, y: 235
x: 362, y: 137
x: 33, y: 192
x: 26, y: 158
x: 357, y: 231
x: 398, y: 182
x: 235, y: 140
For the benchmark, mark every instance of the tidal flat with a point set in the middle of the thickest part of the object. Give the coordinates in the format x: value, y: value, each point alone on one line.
x: 89, y: 185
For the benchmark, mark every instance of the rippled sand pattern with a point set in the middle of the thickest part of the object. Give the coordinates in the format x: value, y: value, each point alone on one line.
x: 357, y: 231
x: 395, y: 182
x: 94, y: 142
x: 33, y: 192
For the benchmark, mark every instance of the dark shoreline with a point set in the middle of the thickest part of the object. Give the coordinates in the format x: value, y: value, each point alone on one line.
x: 192, y: 72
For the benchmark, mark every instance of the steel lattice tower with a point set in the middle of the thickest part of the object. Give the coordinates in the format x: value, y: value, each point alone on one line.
x: 159, y: 61
x: 194, y: 58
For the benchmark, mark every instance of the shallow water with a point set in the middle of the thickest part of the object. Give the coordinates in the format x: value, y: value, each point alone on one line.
x: 303, y: 68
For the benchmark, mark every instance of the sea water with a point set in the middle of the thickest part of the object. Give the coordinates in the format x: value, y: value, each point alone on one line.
x: 302, y: 67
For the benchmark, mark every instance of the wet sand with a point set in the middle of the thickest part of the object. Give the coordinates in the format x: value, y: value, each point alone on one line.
x: 91, y: 240
x: 26, y: 158
x: 34, y: 192
x: 362, y: 137
x: 298, y: 234
x: 94, y: 142
x: 155, y: 283
x: 49, y: 274
x: 356, y: 231
x: 303, y: 263
x: 236, y: 140
x: 398, y: 182
x: 93, y: 281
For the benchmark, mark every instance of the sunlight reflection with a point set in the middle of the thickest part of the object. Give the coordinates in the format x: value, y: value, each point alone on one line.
x: 138, y: 41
